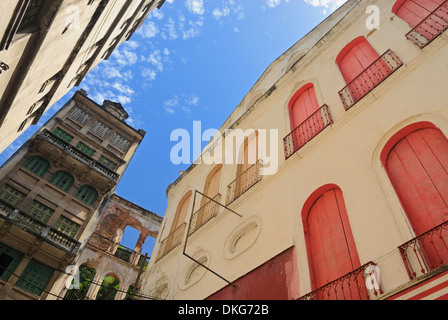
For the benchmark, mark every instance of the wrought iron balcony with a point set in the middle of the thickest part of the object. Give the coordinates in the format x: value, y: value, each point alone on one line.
x: 36, y: 227
x: 359, y: 284
x: 79, y: 155
x: 431, y: 27
x: 426, y: 252
x: 171, y: 241
x: 207, y: 212
x: 250, y: 177
x: 370, y: 78
x: 307, y: 130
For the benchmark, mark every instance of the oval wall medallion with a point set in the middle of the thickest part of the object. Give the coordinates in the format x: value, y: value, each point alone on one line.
x: 242, y: 237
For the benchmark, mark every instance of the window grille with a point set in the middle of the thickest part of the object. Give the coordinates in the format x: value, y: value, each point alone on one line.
x: 88, y: 195
x: 67, y: 227
x: 63, y: 135
x: 37, y: 165
x: 107, y: 163
x: 100, y: 129
x: 39, y: 211
x: 62, y: 180
x: 120, y: 142
x: 79, y: 116
x: 11, y: 196
x: 35, y: 277
x: 86, y: 149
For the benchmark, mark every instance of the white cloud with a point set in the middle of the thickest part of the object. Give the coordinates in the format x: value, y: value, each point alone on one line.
x: 219, y: 13
x: 194, y: 29
x: 170, y: 105
x: 273, y: 3
x: 229, y: 7
x: 195, y: 6
x: 170, y: 30
x: 154, y: 63
x: 148, y: 30
x: 326, y: 4
x: 184, y: 103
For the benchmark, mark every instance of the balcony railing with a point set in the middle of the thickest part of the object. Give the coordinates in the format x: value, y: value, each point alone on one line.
x: 171, y: 241
x: 431, y: 27
x: 359, y: 284
x: 426, y: 252
x: 78, y: 154
x: 121, y: 252
x: 244, y: 182
x: 207, y: 212
x: 370, y: 78
x: 307, y: 130
x: 38, y: 228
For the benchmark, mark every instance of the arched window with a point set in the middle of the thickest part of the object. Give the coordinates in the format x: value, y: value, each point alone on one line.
x: 208, y: 208
x: 307, y: 119
x: 302, y: 105
x: 363, y: 69
x: 330, y: 244
x: 177, y: 228
x: 37, y: 165
x: 415, y: 11
x: 87, y: 194
x: 356, y: 57
x: 248, y: 153
x: 248, y: 169
x: 181, y: 212
x: 211, y: 187
x: 416, y: 161
x: 63, y: 180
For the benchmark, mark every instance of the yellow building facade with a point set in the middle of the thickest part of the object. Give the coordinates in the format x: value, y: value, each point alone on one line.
x: 346, y: 196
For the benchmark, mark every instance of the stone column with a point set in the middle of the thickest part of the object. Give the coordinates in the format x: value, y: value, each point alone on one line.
x: 95, y: 286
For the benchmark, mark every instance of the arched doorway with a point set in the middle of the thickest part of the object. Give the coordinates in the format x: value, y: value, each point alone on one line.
x: 330, y: 244
x: 416, y: 161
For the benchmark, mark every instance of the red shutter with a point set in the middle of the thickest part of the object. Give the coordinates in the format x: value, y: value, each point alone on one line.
x: 418, y: 169
x: 303, y: 105
x: 355, y: 58
x: 415, y: 11
x: 330, y: 242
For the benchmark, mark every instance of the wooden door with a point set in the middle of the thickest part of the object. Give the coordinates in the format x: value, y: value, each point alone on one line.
x: 246, y: 170
x: 418, y: 169
x: 361, y: 67
x: 415, y: 11
x: 357, y: 57
x: 306, y: 122
x: 331, y: 245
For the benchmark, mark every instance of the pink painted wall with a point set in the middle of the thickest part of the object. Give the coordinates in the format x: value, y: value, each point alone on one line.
x: 277, y: 279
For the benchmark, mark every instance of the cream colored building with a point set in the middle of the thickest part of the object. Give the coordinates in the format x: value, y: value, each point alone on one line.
x: 365, y: 86
x: 49, y: 46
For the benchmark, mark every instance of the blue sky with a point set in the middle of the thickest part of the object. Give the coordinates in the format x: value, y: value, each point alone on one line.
x: 193, y: 60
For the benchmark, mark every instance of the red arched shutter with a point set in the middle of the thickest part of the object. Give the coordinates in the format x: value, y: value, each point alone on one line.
x: 303, y: 105
x: 306, y: 120
x: 415, y: 11
x: 363, y: 69
x: 418, y: 169
x: 355, y: 58
x: 331, y: 247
